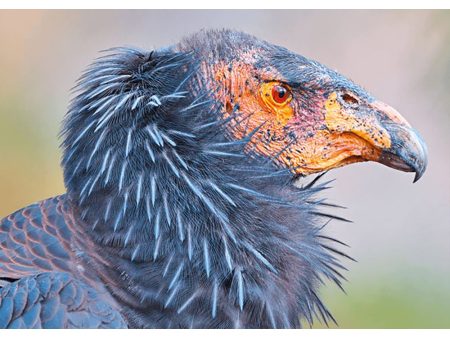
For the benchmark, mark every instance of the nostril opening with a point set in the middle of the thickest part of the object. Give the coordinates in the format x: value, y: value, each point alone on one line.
x: 349, y: 98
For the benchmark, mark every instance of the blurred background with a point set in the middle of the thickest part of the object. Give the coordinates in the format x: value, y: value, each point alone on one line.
x: 401, y: 232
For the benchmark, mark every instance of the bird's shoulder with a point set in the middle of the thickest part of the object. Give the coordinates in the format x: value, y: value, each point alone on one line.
x: 36, y: 239
x: 56, y: 300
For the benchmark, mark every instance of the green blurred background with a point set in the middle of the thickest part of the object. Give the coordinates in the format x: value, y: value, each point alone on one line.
x: 401, y: 232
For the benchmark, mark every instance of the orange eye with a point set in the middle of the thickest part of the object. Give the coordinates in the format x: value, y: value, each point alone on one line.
x: 276, y: 95
x: 280, y: 94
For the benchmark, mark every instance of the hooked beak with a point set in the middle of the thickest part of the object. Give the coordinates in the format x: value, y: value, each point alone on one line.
x: 408, y: 151
x: 391, y: 138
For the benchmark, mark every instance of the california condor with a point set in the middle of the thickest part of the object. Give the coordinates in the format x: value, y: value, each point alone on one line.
x: 181, y: 209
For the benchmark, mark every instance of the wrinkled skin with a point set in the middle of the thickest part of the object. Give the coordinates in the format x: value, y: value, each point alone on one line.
x: 325, y: 122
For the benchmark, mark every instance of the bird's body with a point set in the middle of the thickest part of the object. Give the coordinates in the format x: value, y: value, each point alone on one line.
x: 180, y: 208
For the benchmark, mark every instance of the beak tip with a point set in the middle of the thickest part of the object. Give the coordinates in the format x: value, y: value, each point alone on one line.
x: 417, y: 176
x: 408, y: 153
x: 420, y: 170
x: 422, y: 161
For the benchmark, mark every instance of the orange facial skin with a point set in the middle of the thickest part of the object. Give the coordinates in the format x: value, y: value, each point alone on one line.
x: 305, y: 133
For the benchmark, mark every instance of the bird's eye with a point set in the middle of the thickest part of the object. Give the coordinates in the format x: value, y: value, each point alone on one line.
x: 280, y: 94
x: 276, y: 95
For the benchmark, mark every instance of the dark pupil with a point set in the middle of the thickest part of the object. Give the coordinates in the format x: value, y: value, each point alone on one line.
x: 281, y: 92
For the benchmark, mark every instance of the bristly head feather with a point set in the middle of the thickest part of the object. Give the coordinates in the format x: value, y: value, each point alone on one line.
x: 160, y: 168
